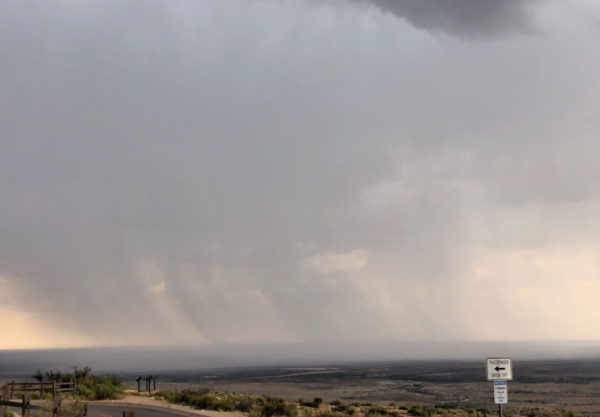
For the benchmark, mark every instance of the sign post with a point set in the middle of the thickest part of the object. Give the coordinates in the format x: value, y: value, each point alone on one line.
x: 499, y: 370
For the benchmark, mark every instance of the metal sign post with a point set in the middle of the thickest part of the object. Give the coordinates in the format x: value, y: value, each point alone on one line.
x: 500, y: 394
x: 499, y: 370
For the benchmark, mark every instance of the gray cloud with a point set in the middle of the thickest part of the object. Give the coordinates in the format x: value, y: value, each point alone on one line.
x: 174, y: 173
x: 465, y: 18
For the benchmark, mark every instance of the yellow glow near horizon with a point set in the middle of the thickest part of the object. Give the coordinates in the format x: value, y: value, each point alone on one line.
x: 540, y: 293
x: 25, y: 330
x: 546, y: 293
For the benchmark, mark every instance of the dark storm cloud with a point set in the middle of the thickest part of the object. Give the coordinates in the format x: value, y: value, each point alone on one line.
x: 465, y: 18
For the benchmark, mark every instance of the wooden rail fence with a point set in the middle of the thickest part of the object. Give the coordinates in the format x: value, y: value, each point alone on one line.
x: 26, y: 405
x: 41, y: 387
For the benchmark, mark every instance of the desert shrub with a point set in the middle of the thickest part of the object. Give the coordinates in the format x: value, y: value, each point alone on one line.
x: 7, y: 413
x: 260, y: 401
x: 377, y: 410
x: 277, y: 407
x: 206, y: 401
x: 245, y: 404
x: 343, y: 408
x: 57, y: 376
x: 224, y: 404
x: 212, y: 402
x: 89, y: 386
x: 81, y: 373
x: 539, y: 412
x: 84, y: 391
x: 96, y: 388
x: 70, y: 409
x: 335, y: 402
x: 315, y: 403
x: 177, y: 396
x: 426, y: 411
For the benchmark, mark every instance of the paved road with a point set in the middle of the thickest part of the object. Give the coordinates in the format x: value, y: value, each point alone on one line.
x: 116, y: 410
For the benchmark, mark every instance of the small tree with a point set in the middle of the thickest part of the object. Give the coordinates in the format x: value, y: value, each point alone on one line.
x: 80, y: 373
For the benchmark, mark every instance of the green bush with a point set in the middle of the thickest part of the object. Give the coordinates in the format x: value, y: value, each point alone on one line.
x: 245, y: 404
x: 210, y: 402
x: 343, y: 408
x: 7, y: 413
x: 69, y: 409
x: 373, y: 411
x: 277, y: 407
x: 95, y: 388
x: 426, y: 411
x: 315, y: 403
x: 89, y: 386
x: 206, y: 401
x: 85, y: 391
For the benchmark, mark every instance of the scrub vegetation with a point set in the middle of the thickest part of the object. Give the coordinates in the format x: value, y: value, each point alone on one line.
x: 7, y: 413
x: 89, y: 386
x: 68, y: 409
x: 263, y: 406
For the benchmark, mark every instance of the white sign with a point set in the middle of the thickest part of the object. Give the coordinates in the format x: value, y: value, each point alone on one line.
x: 499, y: 369
x: 500, y: 392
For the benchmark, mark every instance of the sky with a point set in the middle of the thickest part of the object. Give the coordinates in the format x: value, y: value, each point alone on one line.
x: 244, y: 172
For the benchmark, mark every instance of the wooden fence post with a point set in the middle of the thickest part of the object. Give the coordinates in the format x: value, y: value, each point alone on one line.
x: 53, y: 389
x: 12, y: 389
x: 26, y: 405
x: 4, y: 395
x: 56, y: 406
x: 74, y: 387
x: 41, y: 390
